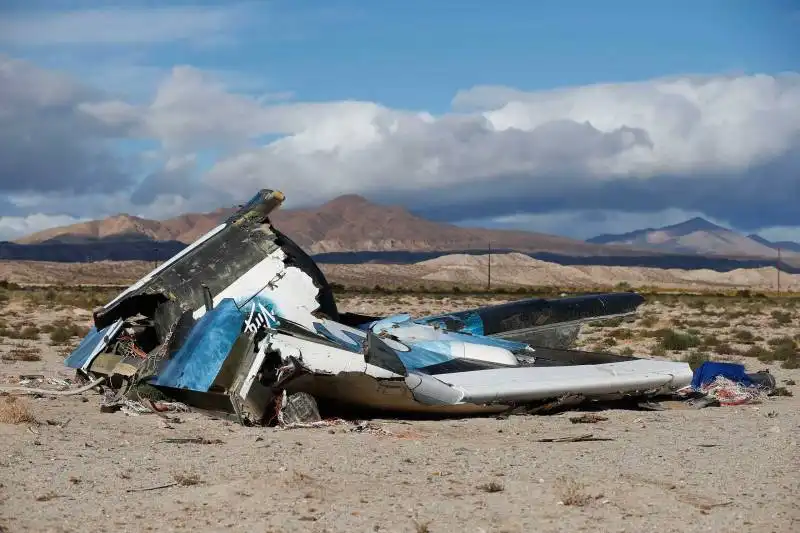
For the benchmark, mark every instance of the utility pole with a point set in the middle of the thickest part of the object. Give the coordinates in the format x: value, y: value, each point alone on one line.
x: 779, y: 270
x: 489, y: 281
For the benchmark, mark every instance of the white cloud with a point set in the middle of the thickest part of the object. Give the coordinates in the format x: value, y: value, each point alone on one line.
x: 15, y: 227
x: 781, y: 233
x: 47, y: 141
x: 726, y: 147
x: 116, y: 25
x: 693, y: 123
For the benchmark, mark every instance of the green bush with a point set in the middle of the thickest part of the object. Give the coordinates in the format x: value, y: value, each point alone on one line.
x: 672, y: 340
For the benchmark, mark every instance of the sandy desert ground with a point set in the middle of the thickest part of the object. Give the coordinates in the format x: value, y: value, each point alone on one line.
x: 458, y: 270
x: 66, y: 466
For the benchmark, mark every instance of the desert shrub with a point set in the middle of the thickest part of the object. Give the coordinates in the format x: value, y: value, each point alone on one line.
x: 657, y: 333
x: 757, y: 351
x: 784, y: 352
x: 791, y: 362
x: 697, y: 304
x: 695, y: 359
x: 621, y: 333
x: 626, y: 351
x: 27, y: 332
x: 610, y: 323
x: 710, y: 341
x: 725, y: 348
x: 778, y: 341
x: 658, y: 351
x: 63, y: 330
x: 744, y: 336
x: 781, y: 317
x: 672, y: 340
x: 648, y: 321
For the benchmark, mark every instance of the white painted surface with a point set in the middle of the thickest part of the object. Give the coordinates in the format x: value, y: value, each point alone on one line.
x: 533, y: 383
x: 244, y: 288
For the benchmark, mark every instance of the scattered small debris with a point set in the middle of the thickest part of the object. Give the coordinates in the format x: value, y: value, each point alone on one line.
x: 588, y: 418
x: 192, y: 440
x: 157, y: 487
x: 580, y: 438
x: 56, y: 423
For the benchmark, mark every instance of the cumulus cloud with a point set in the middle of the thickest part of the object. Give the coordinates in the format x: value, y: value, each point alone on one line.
x: 47, y: 143
x: 13, y: 227
x: 727, y: 147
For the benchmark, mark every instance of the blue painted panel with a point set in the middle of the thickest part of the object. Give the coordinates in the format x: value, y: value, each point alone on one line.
x: 346, y: 340
x: 426, y: 353
x: 512, y: 346
x: 199, y: 360
x: 465, y: 322
x: 84, y: 351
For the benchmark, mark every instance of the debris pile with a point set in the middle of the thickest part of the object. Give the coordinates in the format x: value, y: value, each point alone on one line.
x: 242, y: 323
x: 726, y: 384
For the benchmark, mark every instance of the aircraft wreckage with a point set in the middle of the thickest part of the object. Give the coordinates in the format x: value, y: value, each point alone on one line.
x: 243, y: 319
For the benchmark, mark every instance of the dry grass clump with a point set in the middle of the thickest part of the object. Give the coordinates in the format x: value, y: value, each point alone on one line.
x: 15, y: 411
x: 63, y: 330
x: 573, y: 493
x: 695, y: 359
x: 781, y: 317
x: 186, y: 479
x: 492, y: 486
x: 26, y: 332
x: 21, y: 352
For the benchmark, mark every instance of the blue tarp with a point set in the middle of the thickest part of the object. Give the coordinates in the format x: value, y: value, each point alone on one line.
x: 708, y: 371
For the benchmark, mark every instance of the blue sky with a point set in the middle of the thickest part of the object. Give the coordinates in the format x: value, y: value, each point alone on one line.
x: 381, y: 51
x: 260, y: 58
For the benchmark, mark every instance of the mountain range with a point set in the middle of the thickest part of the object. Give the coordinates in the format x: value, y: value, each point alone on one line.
x: 345, y: 224
x: 351, y: 229
x: 699, y: 236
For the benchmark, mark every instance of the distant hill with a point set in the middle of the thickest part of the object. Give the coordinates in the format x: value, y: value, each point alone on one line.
x: 350, y: 229
x: 184, y: 228
x: 346, y: 224
x: 777, y: 245
x: 695, y: 236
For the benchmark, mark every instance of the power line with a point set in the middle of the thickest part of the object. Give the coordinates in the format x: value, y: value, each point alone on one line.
x: 489, y: 280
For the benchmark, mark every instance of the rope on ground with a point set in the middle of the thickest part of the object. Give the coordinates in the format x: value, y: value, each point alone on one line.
x: 48, y: 392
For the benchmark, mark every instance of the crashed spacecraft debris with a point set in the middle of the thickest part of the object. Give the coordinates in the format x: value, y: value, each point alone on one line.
x: 243, y: 320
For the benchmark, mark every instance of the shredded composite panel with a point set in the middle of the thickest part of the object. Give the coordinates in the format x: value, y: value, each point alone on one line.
x: 243, y: 319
